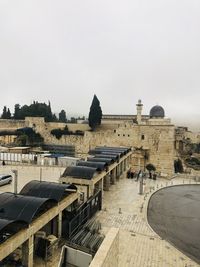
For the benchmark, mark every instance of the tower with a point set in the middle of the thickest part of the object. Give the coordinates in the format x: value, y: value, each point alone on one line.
x: 139, y: 111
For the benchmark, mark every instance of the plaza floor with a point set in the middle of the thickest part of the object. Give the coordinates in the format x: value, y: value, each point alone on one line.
x: 139, y: 245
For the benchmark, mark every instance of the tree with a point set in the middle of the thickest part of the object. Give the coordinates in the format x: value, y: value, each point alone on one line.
x: 17, y: 112
x: 150, y: 167
x: 6, y: 113
x: 72, y: 120
x: 27, y: 136
x: 95, y: 113
x: 36, y: 109
x: 62, y: 116
x: 54, y: 118
x: 49, y: 115
x: 3, y: 116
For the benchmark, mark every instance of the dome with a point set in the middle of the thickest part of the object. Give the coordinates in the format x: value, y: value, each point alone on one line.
x: 157, y: 112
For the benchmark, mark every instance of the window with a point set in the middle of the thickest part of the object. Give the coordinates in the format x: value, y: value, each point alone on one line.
x: 118, y: 134
x: 114, y: 131
x: 142, y: 137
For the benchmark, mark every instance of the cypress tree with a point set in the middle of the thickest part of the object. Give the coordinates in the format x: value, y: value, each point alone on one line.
x: 95, y: 113
x: 4, y: 114
x: 8, y: 114
x: 17, y: 115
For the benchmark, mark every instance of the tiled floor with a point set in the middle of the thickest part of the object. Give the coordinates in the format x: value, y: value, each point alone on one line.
x: 139, y: 246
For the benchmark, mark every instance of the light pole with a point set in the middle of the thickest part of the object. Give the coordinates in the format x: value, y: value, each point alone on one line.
x: 15, y: 181
x: 141, y: 184
x: 40, y: 174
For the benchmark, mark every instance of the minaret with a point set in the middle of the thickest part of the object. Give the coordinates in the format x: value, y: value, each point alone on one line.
x: 139, y: 111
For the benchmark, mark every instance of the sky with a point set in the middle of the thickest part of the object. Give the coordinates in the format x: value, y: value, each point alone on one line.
x: 67, y: 51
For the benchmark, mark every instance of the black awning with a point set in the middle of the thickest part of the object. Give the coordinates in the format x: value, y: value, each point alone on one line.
x: 42, y: 189
x: 23, y: 208
x: 82, y: 172
x: 100, y: 166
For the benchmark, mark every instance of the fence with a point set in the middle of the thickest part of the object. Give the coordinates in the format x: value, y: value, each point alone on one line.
x: 84, y: 214
x: 40, y: 159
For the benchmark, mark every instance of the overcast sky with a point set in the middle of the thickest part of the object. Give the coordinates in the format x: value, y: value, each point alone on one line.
x: 67, y: 51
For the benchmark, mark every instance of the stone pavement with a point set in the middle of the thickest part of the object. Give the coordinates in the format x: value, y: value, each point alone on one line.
x: 139, y: 245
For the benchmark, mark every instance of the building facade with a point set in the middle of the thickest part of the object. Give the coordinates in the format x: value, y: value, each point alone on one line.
x: 152, y: 136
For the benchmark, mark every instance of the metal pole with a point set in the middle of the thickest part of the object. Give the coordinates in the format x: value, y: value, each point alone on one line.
x: 141, y: 185
x: 15, y: 181
x: 40, y: 174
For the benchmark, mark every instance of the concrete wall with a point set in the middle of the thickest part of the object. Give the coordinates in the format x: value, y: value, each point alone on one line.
x: 108, y: 253
x: 77, y: 257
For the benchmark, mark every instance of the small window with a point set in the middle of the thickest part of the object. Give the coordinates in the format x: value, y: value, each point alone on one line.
x: 128, y: 135
x: 118, y: 134
x: 123, y: 134
x: 142, y: 137
x: 114, y: 131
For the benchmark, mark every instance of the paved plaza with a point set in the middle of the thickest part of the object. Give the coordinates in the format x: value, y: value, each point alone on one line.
x: 139, y: 245
x: 174, y: 214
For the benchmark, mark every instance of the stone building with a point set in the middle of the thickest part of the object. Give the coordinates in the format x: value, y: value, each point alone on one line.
x: 152, y: 136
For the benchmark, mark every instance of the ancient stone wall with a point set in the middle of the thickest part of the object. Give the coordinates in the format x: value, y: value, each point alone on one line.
x: 194, y: 137
x: 7, y: 139
x: 45, y: 127
x: 157, y: 139
x: 11, y: 124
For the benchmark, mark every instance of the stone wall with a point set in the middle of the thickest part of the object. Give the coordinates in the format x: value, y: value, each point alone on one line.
x: 157, y: 139
x: 108, y: 253
x: 7, y: 139
x: 11, y: 124
x: 194, y: 137
x: 39, y: 123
